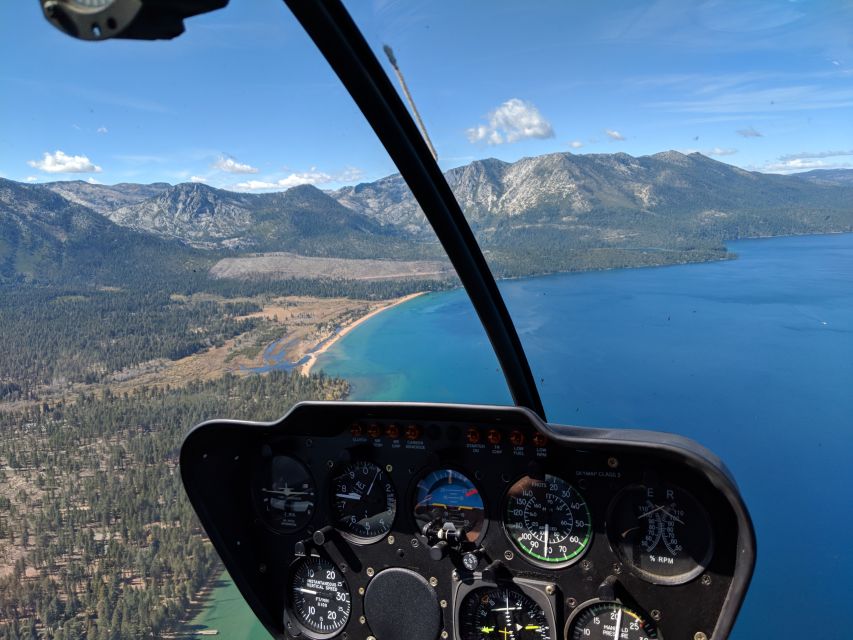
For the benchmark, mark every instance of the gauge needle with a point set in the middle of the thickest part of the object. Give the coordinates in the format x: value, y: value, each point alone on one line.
x: 648, y: 513
x: 674, y: 517
x: 372, y: 482
x: 547, y: 533
x: 348, y: 496
x: 310, y: 592
x: 618, y: 631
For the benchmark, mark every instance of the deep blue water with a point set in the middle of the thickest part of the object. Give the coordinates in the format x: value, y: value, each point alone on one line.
x: 752, y: 357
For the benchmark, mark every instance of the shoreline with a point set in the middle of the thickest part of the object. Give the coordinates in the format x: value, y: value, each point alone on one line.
x: 324, y: 346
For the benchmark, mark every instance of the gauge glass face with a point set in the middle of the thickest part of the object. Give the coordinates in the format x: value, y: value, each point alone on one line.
x: 363, y: 501
x: 320, y: 597
x: 502, y: 613
x: 449, y: 497
x: 662, y: 532
x: 286, y: 494
x: 92, y: 4
x: 600, y: 621
x: 547, y: 520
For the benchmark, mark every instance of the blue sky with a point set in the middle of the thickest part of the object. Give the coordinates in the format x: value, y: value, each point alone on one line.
x: 243, y: 101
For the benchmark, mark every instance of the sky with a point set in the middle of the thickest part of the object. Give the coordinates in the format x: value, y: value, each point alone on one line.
x: 244, y: 101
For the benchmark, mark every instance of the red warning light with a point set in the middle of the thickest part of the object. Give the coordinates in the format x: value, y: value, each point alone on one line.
x: 539, y: 440
x: 472, y: 435
x: 374, y: 431
x: 392, y: 431
x: 516, y: 437
x: 494, y: 436
x: 356, y: 430
x: 413, y: 432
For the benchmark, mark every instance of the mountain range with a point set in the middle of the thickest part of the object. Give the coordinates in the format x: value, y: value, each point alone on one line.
x: 553, y: 212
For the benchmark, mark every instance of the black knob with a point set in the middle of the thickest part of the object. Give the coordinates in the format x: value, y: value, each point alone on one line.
x: 438, y: 550
x: 322, y: 535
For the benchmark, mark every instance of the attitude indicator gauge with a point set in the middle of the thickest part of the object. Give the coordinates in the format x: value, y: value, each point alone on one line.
x: 285, y: 494
x: 502, y: 613
x: 662, y: 533
x: 319, y: 597
x: 449, y: 497
x: 603, y: 620
x: 363, y: 502
x: 547, y: 520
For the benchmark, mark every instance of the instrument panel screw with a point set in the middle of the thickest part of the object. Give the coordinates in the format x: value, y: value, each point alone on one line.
x: 371, y: 638
x: 262, y: 568
x: 362, y: 619
x: 508, y: 555
x: 455, y: 575
x: 390, y: 539
x: 699, y: 635
x: 617, y: 568
x: 361, y: 591
x: 330, y: 464
x: 612, y: 462
x: 444, y: 634
x: 415, y: 543
x: 705, y: 580
x: 586, y: 565
x: 550, y: 589
x: 655, y: 614
x: 389, y: 468
x: 309, y: 442
x: 370, y: 572
x: 571, y: 603
x: 443, y: 604
x: 433, y: 581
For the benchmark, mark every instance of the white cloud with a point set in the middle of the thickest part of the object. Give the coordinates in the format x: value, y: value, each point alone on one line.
x: 750, y: 133
x: 232, y: 166
x: 91, y: 180
x: 800, y: 164
x: 614, y: 135
x: 254, y: 185
x: 313, y: 177
x: 30, y: 178
x: 103, y: 130
x: 576, y: 144
x: 197, y: 179
x: 60, y: 162
x: 815, y: 154
x: 514, y: 120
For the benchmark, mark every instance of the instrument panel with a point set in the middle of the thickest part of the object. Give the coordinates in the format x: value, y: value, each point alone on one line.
x: 423, y: 521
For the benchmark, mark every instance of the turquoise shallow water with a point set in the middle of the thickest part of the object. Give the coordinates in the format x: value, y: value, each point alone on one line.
x: 752, y: 357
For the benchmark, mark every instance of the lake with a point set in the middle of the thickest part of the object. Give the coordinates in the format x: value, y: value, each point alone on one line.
x: 751, y: 357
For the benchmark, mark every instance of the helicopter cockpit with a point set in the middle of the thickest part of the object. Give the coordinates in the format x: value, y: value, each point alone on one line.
x: 418, y: 521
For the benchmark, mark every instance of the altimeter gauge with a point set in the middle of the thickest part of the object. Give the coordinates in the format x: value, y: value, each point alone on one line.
x: 319, y: 598
x: 363, y: 502
x: 547, y: 520
x: 661, y: 532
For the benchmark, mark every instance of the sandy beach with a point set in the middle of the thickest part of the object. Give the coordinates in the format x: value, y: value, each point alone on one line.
x: 324, y: 346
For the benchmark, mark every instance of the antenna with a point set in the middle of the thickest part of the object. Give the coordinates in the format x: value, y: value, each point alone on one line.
x: 393, y: 60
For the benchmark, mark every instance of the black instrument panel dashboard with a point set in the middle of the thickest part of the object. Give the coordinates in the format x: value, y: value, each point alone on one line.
x: 359, y: 520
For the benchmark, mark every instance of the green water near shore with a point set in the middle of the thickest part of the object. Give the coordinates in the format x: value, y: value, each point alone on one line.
x: 227, y: 612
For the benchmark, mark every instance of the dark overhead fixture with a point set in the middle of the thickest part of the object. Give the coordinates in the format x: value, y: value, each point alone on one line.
x: 133, y: 19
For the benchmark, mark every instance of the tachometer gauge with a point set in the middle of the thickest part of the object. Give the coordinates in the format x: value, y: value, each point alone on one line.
x: 285, y: 494
x: 661, y: 532
x: 319, y: 597
x: 363, y: 502
x: 502, y: 613
x: 448, y: 497
x: 609, y: 621
x: 547, y: 520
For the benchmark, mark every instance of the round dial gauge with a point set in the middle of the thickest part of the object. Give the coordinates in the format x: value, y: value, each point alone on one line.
x: 609, y: 621
x: 319, y: 597
x: 502, y: 613
x: 363, y: 501
x: 661, y: 532
x: 448, y: 497
x: 285, y: 494
x: 548, y: 520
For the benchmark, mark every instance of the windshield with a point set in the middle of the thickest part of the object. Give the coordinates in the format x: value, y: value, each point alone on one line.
x: 207, y: 228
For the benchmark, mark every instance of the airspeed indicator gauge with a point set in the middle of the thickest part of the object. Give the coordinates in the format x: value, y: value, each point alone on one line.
x: 661, y: 532
x: 547, y: 520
